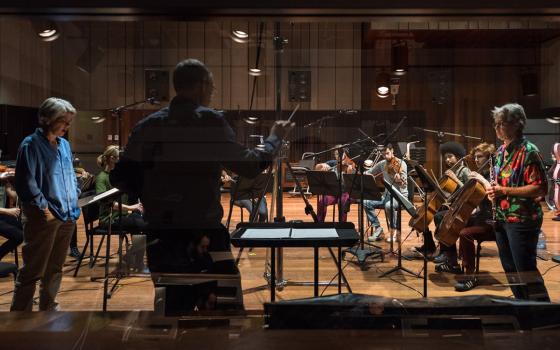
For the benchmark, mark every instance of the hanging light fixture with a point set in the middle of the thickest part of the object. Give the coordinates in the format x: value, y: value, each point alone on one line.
x: 529, y: 83
x: 399, y: 57
x: 240, y: 36
x: 46, y: 30
x: 255, y: 72
x: 251, y: 119
x: 382, y: 84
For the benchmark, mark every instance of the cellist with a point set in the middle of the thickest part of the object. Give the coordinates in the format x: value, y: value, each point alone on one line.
x: 477, y: 228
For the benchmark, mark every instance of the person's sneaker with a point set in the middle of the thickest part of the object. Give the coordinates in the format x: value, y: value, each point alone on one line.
x: 74, y: 253
x: 418, y: 252
x: 556, y: 218
x: 445, y: 267
x: 394, y: 237
x: 440, y: 258
x: 377, y: 234
x: 466, y: 285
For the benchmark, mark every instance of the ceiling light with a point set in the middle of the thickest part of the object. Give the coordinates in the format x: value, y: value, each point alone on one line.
x: 382, y: 84
x: 240, y: 36
x: 46, y: 30
x: 553, y: 120
x: 251, y: 119
x: 97, y: 119
x: 399, y: 58
x: 255, y: 72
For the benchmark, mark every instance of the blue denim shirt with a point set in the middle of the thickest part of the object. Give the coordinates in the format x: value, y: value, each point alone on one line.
x: 45, y: 176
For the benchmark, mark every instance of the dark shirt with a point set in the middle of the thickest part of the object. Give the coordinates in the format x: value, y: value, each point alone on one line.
x: 173, y: 162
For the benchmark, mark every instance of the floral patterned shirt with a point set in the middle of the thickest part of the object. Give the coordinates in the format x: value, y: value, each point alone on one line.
x: 522, y: 165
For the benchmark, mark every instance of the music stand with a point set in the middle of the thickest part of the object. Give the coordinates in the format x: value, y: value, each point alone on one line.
x: 96, y: 199
x: 362, y: 187
x: 251, y: 189
x: 396, y: 194
x: 428, y: 185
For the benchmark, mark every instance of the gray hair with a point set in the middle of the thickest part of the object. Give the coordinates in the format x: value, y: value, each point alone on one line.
x: 188, y: 73
x: 510, y: 112
x: 52, y: 109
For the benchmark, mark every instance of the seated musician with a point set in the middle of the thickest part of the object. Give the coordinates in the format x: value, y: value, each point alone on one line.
x: 477, y: 229
x: 10, y: 223
x: 394, y: 171
x: 452, y: 153
x: 247, y: 204
x: 131, y: 217
x: 324, y: 201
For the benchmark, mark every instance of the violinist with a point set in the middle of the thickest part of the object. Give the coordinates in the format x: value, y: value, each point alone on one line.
x: 394, y: 171
x: 520, y: 178
x: 332, y: 165
x: 477, y: 229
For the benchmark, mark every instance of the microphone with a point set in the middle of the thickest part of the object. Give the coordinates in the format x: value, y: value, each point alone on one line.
x: 348, y: 111
x: 153, y: 101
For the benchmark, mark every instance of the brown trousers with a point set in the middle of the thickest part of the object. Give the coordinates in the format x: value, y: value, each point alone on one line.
x: 45, y: 245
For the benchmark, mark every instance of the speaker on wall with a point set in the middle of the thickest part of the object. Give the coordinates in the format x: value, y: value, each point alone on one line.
x: 157, y: 84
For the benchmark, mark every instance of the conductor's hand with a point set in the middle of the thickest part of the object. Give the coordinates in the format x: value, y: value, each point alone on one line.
x: 282, y: 128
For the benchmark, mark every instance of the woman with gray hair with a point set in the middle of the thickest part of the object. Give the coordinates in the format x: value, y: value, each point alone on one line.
x: 48, y: 191
x: 520, y: 178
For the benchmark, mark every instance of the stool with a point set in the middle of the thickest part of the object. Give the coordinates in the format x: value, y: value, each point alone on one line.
x: 8, y: 268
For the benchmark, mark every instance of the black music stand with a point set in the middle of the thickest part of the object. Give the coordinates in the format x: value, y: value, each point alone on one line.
x: 325, y: 183
x: 96, y: 199
x: 428, y: 185
x: 252, y: 189
x: 362, y: 187
x: 394, y: 192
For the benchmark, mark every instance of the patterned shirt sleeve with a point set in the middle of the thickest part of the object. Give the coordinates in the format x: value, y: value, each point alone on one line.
x: 534, y: 170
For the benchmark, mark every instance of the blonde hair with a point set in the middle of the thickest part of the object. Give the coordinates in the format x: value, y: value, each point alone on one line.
x: 485, y: 147
x: 54, y: 108
x: 109, y: 151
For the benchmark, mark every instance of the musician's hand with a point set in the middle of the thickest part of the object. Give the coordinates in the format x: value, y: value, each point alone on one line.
x: 15, y: 212
x: 496, y: 191
x: 398, y: 179
x: 473, y: 175
x: 322, y: 167
x: 282, y: 128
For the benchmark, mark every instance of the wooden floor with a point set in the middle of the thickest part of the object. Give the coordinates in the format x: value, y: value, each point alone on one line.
x: 136, y: 293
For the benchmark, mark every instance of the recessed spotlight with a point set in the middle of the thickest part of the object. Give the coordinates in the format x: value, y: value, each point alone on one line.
x: 46, y: 30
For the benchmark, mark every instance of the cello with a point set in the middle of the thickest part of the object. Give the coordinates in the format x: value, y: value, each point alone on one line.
x: 435, y: 201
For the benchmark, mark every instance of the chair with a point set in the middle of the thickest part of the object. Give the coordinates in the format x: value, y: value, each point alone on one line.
x: 8, y: 268
x: 90, y: 215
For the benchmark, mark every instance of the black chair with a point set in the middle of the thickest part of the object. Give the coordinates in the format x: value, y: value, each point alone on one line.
x: 8, y: 268
x: 90, y: 215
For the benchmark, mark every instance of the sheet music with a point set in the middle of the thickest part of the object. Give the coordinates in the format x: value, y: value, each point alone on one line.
x: 314, y: 233
x: 267, y: 233
x: 87, y: 200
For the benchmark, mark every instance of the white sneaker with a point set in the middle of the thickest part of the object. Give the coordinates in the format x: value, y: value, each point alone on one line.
x: 392, y: 238
x: 376, y: 235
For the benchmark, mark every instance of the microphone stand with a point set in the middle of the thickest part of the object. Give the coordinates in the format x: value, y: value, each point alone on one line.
x: 117, y: 112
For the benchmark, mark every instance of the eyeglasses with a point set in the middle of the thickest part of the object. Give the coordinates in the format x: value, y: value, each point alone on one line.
x: 502, y: 124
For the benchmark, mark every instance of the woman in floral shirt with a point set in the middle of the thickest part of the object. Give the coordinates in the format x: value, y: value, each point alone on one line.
x: 520, y: 178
